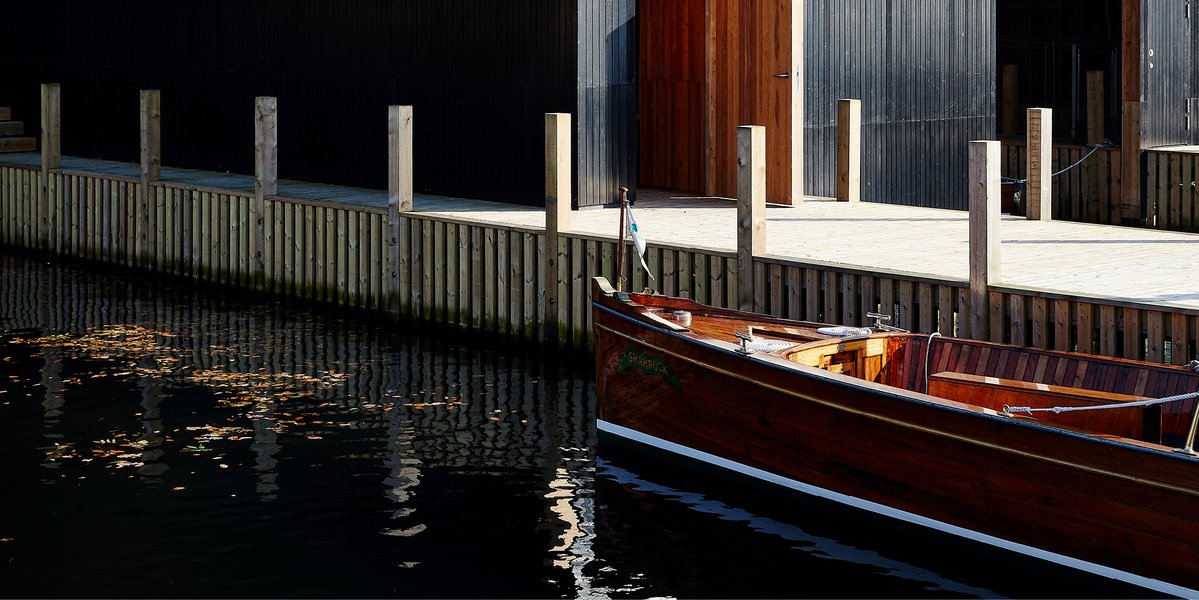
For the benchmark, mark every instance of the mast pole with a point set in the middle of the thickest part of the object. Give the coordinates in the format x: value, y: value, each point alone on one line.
x: 620, y: 241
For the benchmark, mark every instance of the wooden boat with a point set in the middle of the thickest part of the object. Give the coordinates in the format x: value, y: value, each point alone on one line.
x: 921, y: 427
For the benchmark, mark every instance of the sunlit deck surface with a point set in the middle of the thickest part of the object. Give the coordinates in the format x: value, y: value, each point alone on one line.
x: 1095, y: 261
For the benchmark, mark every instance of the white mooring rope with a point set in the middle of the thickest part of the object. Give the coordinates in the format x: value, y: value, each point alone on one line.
x: 1007, y: 410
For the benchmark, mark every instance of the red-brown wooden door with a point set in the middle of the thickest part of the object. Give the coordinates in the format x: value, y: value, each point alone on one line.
x: 754, y: 82
x: 705, y: 68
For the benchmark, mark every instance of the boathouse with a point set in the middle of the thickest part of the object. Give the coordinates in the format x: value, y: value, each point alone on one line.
x: 656, y: 88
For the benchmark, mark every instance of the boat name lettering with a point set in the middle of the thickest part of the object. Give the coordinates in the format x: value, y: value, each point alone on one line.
x: 651, y: 365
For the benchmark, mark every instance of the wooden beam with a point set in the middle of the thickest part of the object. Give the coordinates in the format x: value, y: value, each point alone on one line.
x: 1038, y: 190
x: 51, y: 126
x: 1095, y: 114
x: 399, y: 158
x: 151, y: 135
x: 399, y: 200
x: 798, y: 66
x: 849, y: 150
x: 1008, y: 98
x: 1130, y: 92
x: 984, y: 232
x: 150, y: 120
x: 51, y: 157
x: 751, y: 208
x: 266, y: 178
x: 557, y: 219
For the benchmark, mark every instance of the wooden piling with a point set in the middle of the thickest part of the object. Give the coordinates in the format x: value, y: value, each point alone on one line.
x: 1130, y: 165
x: 557, y: 220
x: 51, y: 155
x: 399, y: 199
x: 1038, y: 190
x: 51, y: 126
x: 150, y: 120
x: 984, y: 232
x: 1095, y: 113
x: 1008, y: 87
x: 266, y: 180
x: 751, y: 208
x: 849, y: 150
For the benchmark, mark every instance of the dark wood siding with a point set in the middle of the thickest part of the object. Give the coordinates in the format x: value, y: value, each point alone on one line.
x: 1167, y: 68
x: 606, y: 122
x: 925, y: 71
x: 1053, y: 43
x: 480, y: 75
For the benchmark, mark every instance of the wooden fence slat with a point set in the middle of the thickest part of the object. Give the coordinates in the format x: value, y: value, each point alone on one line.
x: 1156, y: 334
x: 832, y: 309
x: 1086, y: 327
x: 530, y: 284
x: 1133, y: 344
x: 1040, y: 321
x: 1107, y: 330
x: 812, y: 295
x: 1179, y: 346
x: 794, y: 278
x: 945, y: 310
x: 502, y: 256
x: 1017, y: 333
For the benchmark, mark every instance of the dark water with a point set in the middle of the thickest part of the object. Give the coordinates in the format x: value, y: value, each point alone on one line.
x: 160, y: 441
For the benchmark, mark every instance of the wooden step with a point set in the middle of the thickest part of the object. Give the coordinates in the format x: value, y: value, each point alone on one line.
x: 17, y: 144
x: 5, y: 113
x: 12, y: 128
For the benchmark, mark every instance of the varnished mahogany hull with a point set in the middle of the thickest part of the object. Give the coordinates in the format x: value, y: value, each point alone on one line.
x: 1128, y: 507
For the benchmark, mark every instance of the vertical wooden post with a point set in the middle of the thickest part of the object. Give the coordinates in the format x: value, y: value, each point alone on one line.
x: 557, y: 219
x: 399, y: 158
x: 984, y: 231
x: 399, y: 198
x: 1130, y: 118
x: 1038, y: 190
x: 51, y: 126
x: 1130, y: 162
x: 1095, y: 113
x: 150, y: 113
x: 849, y: 150
x: 51, y: 157
x: 151, y: 135
x: 751, y: 208
x: 266, y: 178
x: 797, y: 82
x: 1009, y: 86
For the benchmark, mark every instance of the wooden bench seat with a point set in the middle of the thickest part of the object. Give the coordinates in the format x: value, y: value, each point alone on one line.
x: 1140, y: 423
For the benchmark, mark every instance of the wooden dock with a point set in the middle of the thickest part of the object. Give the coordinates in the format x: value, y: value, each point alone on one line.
x: 480, y: 264
x: 524, y: 271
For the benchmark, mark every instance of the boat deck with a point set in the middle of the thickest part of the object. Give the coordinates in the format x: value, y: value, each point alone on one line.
x: 1095, y: 261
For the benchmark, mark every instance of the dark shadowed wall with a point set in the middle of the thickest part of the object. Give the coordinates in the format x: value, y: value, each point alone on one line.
x: 480, y: 75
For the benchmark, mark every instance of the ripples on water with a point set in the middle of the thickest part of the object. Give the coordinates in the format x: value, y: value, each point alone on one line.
x: 158, y: 441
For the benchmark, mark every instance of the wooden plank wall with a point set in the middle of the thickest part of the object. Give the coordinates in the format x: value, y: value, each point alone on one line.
x: 491, y: 278
x: 1091, y: 192
x: 1088, y: 193
x: 1172, y: 200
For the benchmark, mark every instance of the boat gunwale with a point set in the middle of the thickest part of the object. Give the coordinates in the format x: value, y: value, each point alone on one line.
x: 912, y: 398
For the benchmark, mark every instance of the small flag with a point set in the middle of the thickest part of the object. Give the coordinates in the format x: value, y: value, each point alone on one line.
x: 638, y: 240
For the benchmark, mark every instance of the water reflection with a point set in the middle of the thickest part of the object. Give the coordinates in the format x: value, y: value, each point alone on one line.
x: 260, y: 449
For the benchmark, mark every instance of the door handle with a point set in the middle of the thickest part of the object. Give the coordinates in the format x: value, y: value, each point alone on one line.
x: 782, y: 75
